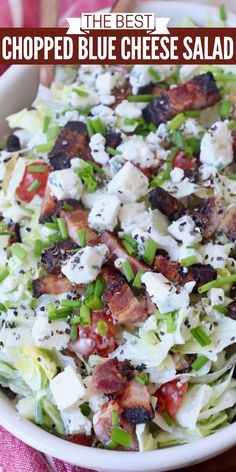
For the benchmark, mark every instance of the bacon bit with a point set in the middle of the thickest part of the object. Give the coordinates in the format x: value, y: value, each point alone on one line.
x: 75, y: 221
x: 136, y: 403
x: 111, y: 376
x: 170, y: 269
x: 208, y: 215
x: 53, y: 257
x: 184, y: 162
x: 49, y: 206
x: 51, y: 285
x: 121, y: 93
x: 14, y: 233
x: 183, y: 361
x: 81, y: 439
x: 166, y: 203
x: 228, y: 224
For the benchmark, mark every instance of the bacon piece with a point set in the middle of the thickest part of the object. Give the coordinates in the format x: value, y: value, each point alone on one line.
x: 208, y: 215
x: 72, y: 141
x: 77, y: 220
x: 14, y: 233
x: 183, y: 361
x: 151, y: 89
x: 49, y: 206
x: 81, y: 439
x: 124, y: 306
x: 170, y: 269
x: 166, y: 203
x: 111, y: 376
x: 228, y: 224
x: 231, y: 310
x: 121, y: 93
x: 196, y: 94
x: 51, y: 285
x: 201, y: 274
x: 116, y: 250
x: 53, y: 257
x: 136, y: 403
x: 113, y: 139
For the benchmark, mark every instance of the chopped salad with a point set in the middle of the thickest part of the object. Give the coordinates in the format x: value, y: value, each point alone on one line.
x: 117, y: 243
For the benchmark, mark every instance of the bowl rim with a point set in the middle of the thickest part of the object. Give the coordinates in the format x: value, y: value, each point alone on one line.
x: 162, y: 459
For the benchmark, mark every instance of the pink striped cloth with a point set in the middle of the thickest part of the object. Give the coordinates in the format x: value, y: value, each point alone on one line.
x: 15, y: 456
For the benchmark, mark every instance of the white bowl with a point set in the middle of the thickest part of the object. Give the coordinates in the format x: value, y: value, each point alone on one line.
x: 24, y: 79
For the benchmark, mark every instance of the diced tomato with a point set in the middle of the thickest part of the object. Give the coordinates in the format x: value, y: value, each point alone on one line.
x: 28, y: 180
x: 170, y: 397
x: 94, y: 342
x: 184, y: 162
x: 81, y: 439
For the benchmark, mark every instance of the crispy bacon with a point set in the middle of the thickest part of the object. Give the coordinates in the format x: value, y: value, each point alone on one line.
x: 183, y: 361
x: 136, y: 403
x: 77, y: 220
x: 208, y: 215
x: 113, y: 139
x: 196, y: 94
x: 228, y: 224
x: 151, y: 89
x: 201, y: 274
x: 49, y: 206
x: 14, y: 233
x: 121, y: 93
x: 72, y: 141
x: 81, y: 439
x: 166, y: 203
x: 170, y: 269
x: 53, y: 257
x: 51, y: 285
x: 124, y: 306
x: 111, y: 376
x: 116, y: 250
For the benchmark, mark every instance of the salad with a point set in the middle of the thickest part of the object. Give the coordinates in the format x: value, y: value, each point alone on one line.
x: 117, y: 243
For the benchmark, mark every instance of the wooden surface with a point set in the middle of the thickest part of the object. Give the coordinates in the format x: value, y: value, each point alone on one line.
x: 224, y: 463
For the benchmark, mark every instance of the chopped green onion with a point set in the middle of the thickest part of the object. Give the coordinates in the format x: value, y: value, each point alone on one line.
x: 102, y: 328
x: 167, y: 418
x: 192, y: 114
x: 43, y: 147
x: 51, y: 225
x: 232, y: 176
x: 75, y: 304
x: 178, y: 139
x: 54, y: 238
x: 111, y: 446
x: 217, y: 283
x: 142, y: 378
x: 142, y: 98
x: 225, y: 108
x: 39, y: 169
x: 90, y: 127
x: 149, y: 251
x: 73, y: 333
x: 38, y: 247
x: 3, y: 308
x: 82, y: 237
x: 188, y: 261
x: 67, y: 207
x: 4, y: 274
x: 131, y: 241
x: 18, y: 251
x: 51, y: 309
x: 99, y: 287
x: 193, y: 145
x: 170, y: 322
x: 199, y: 363
x: 85, y: 409
x: 127, y: 270
x: 137, y: 283
x: 128, y: 247
x: 222, y: 12
x: 121, y: 437
x: 201, y: 337
x: 60, y: 314
x: 112, y: 151
x: 225, y: 77
x: 231, y: 125
x: 34, y: 186
x: 98, y: 126
x: 33, y: 303
x: 81, y: 93
x: 115, y: 418
x: 220, y: 309
x: 90, y: 289
x: 163, y: 175
x: 94, y: 302
x: 154, y: 73
x: 62, y: 228
x: 85, y: 317
x: 75, y: 320
x: 46, y: 122
x: 176, y: 122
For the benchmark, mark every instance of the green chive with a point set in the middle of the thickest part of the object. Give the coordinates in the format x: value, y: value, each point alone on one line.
x: 44, y: 147
x: 176, y: 122
x: 231, y: 125
x: 67, y: 207
x: 128, y: 247
x: 221, y: 309
x: 98, y: 126
x: 50, y: 309
x: 178, y: 139
x: 217, y: 283
x: 121, y: 437
x: 85, y: 409
x: 75, y: 320
x: 60, y: 314
x: 90, y: 289
x: 115, y: 418
x: 112, y: 151
x: 149, y: 251
x: 192, y: 114
x: 51, y: 225
x: 188, y: 261
x: 85, y: 317
x: 141, y: 98
x: 39, y: 169
x: 81, y: 93
x: 90, y: 127
x: 54, y: 238
x: 82, y: 237
x: 73, y: 333
x: 127, y: 270
x: 225, y: 77
x: 201, y: 337
x: 102, y: 328
x: 154, y: 73
x: 99, y: 287
x: 132, y: 242
x: 199, y: 363
x: 111, y: 446
x: 167, y: 418
x: 18, y: 251
x: 225, y: 108
x: 4, y: 274
x: 38, y: 247
x: 137, y: 283
x: 34, y: 186
x: 170, y: 322
x: 33, y: 303
x: 46, y: 122
x: 75, y: 304
x: 3, y: 308
x: 232, y: 176
x: 164, y: 175
x: 94, y: 303
x: 62, y: 228
x: 222, y: 12
x: 142, y: 378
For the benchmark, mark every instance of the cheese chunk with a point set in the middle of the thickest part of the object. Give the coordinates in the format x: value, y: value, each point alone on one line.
x: 128, y: 110
x: 67, y: 388
x: 216, y: 146
x: 65, y: 184
x: 75, y: 422
x: 97, y: 146
x: 134, y: 215
x: 50, y: 335
x: 185, y: 230
x: 103, y: 215
x: 129, y: 184
x: 84, y: 266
